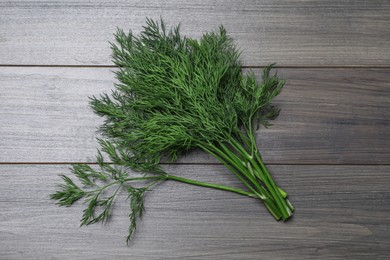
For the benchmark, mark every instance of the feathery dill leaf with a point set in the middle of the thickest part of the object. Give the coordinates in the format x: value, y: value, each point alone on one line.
x: 174, y: 94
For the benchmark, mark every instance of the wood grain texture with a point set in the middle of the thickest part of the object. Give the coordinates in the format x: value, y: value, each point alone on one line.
x: 331, y: 115
x: 341, y: 212
x: 293, y: 32
x: 328, y: 116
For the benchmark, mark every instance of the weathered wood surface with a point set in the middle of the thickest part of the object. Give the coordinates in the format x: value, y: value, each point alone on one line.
x: 304, y: 33
x: 331, y: 116
x: 328, y: 116
x: 342, y: 213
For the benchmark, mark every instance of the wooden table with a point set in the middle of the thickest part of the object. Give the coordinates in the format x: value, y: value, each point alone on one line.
x: 330, y: 147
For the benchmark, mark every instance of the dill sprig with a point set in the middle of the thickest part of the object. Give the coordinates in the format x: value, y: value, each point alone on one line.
x: 175, y: 94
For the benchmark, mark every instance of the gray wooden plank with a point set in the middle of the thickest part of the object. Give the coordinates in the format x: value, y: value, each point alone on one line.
x: 329, y: 116
x: 287, y: 32
x: 341, y: 212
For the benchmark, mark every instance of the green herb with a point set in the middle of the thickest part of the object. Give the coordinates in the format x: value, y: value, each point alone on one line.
x: 175, y: 94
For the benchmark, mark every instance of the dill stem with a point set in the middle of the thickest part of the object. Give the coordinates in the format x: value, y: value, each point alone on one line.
x: 209, y: 185
x: 102, y: 188
x: 242, y: 166
x: 142, y: 178
x: 230, y: 167
x: 255, y: 150
x: 229, y: 159
x: 269, y: 205
x: 281, y: 191
x: 193, y: 182
x: 262, y: 173
x: 236, y: 169
x: 281, y: 194
x: 264, y: 176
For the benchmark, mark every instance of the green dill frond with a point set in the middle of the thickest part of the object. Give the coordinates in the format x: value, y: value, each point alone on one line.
x: 69, y: 192
x: 96, y: 203
x: 86, y: 175
x: 174, y: 94
x: 136, y: 196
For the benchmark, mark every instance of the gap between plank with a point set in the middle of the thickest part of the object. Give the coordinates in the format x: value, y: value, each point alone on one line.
x: 244, y: 66
x: 200, y: 163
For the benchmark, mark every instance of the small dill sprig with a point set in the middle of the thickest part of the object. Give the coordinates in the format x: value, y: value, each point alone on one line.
x: 115, y: 177
x: 137, y: 208
x: 68, y: 194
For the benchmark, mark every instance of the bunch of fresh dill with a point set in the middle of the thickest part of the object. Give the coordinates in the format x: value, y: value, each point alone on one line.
x: 175, y: 94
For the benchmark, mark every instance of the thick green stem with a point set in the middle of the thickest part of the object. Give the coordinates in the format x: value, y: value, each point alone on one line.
x: 229, y: 163
x: 242, y: 166
x: 254, y: 150
x: 233, y: 163
x: 264, y: 176
x: 268, y: 175
x: 228, y: 158
x: 255, y: 154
